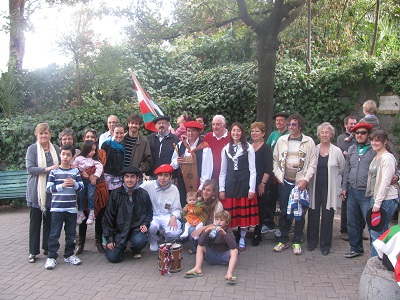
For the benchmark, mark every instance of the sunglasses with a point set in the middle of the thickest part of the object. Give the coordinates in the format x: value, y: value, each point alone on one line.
x: 361, y: 132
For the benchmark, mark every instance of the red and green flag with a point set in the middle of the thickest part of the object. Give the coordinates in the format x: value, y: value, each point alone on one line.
x: 389, y: 243
x: 148, y: 108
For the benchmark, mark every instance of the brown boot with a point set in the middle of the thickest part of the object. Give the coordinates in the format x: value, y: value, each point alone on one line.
x: 80, y: 244
x: 98, y: 243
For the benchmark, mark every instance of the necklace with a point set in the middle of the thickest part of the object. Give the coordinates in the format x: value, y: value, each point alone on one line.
x: 324, y: 151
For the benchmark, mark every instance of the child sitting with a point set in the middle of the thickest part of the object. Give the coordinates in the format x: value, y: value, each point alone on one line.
x: 369, y: 110
x: 90, y: 169
x: 194, y: 215
x: 218, y: 250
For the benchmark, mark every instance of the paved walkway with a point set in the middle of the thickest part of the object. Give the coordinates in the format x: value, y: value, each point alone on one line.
x: 262, y: 274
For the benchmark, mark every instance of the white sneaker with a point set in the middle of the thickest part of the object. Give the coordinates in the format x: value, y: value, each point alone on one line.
x: 91, y: 218
x: 73, y: 260
x: 154, y: 247
x: 137, y: 256
x: 50, y: 264
x: 80, y: 217
x: 266, y: 229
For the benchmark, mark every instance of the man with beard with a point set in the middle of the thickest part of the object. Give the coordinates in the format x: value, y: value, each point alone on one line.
x: 161, y: 144
x: 137, y: 147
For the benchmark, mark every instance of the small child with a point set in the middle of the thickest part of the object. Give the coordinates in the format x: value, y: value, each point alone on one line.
x: 194, y: 215
x: 63, y: 184
x: 369, y: 110
x: 90, y: 169
x: 220, y: 250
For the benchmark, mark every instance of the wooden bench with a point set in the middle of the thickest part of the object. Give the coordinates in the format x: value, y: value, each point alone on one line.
x: 13, y: 184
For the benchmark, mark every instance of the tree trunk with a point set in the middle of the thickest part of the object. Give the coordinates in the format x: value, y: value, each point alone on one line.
x: 267, y: 48
x: 17, y: 36
x: 371, y: 51
x: 78, y: 84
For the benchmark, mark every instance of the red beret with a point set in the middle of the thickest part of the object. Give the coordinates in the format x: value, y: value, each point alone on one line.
x: 362, y: 125
x: 164, y: 169
x: 193, y: 124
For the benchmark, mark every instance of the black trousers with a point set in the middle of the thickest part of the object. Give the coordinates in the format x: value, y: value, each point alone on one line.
x: 35, y: 226
x: 313, y: 232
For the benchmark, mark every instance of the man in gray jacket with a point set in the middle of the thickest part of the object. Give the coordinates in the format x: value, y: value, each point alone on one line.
x: 355, y: 177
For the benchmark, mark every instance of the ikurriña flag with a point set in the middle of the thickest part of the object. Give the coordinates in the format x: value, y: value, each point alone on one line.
x: 148, y: 108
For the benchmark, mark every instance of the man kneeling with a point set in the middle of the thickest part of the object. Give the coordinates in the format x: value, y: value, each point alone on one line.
x: 217, y: 248
x: 127, y: 217
x: 166, y: 206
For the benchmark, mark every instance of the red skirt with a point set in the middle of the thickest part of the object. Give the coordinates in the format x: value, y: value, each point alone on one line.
x: 244, y: 212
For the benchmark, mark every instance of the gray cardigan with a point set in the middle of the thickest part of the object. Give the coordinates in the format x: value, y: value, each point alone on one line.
x: 34, y: 171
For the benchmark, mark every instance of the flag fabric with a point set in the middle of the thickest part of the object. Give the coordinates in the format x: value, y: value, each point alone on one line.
x: 389, y: 243
x: 147, y: 107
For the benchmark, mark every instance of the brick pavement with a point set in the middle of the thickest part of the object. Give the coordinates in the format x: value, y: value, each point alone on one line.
x: 262, y: 274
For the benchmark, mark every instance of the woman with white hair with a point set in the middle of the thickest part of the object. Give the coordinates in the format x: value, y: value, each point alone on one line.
x: 325, y: 188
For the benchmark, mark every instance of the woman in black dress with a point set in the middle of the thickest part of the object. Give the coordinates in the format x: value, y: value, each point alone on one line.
x: 264, y: 175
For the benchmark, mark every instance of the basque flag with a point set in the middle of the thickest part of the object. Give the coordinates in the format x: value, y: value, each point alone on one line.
x: 148, y: 108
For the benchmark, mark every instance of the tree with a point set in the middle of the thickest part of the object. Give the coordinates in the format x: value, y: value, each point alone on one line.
x: 17, y: 37
x: 79, y: 42
x: 20, y: 11
x: 267, y: 19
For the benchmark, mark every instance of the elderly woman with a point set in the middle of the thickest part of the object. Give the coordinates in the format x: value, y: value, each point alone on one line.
x: 204, y: 158
x: 383, y: 194
x: 263, y: 152
x: 100, y: 200
x: 325, y: 190
x: 41, y: 158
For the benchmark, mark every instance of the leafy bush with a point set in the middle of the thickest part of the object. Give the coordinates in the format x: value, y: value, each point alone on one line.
x: 17, y: 134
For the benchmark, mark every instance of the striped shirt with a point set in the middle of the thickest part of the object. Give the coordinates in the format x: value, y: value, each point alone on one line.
x: 129, y: 143
x: 63, y: 199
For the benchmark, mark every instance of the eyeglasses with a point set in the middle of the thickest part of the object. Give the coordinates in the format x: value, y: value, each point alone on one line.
x: 361, y: 132
x: 292, y: 124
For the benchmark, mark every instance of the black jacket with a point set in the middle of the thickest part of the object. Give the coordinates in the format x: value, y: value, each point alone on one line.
x: 161, y: 151
x: 123, y: 217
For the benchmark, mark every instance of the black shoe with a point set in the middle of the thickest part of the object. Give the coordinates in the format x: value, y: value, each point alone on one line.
x: 256, y: 240
x: 325, y: 252
x: 45, y: 252
x: 352, y: 254
x: 311, y: 248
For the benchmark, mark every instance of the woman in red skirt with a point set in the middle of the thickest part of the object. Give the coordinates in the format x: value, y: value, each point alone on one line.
x: 237, y: 182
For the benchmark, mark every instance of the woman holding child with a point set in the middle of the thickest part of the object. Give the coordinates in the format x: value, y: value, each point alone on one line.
x: 100, y: 200
x: 40, y: 159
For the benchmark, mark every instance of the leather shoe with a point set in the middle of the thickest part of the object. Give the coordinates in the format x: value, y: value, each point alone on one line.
x: 345, y: 236
x: 325, y: 252
x: 311, y: 248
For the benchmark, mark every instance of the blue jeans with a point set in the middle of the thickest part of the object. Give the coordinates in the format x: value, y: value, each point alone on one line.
x: 57, y: 221
x: 390, y: 206
x: 138, y: 241
x: 89, y: 190
x: 357, y: 207
x: 284, y: 223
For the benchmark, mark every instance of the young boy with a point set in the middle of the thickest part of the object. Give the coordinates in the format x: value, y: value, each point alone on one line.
x: 369, y: 110
x: 220, y: 250
x: 63, y: 183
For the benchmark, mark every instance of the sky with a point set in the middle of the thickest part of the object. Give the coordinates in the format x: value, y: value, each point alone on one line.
x: 49, y: 23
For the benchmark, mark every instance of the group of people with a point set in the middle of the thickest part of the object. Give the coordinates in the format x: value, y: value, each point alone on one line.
x: 135, y: 189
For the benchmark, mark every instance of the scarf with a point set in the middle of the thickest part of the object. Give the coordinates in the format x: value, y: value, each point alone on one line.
x: 42, y: 178
x: 163, y: 188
